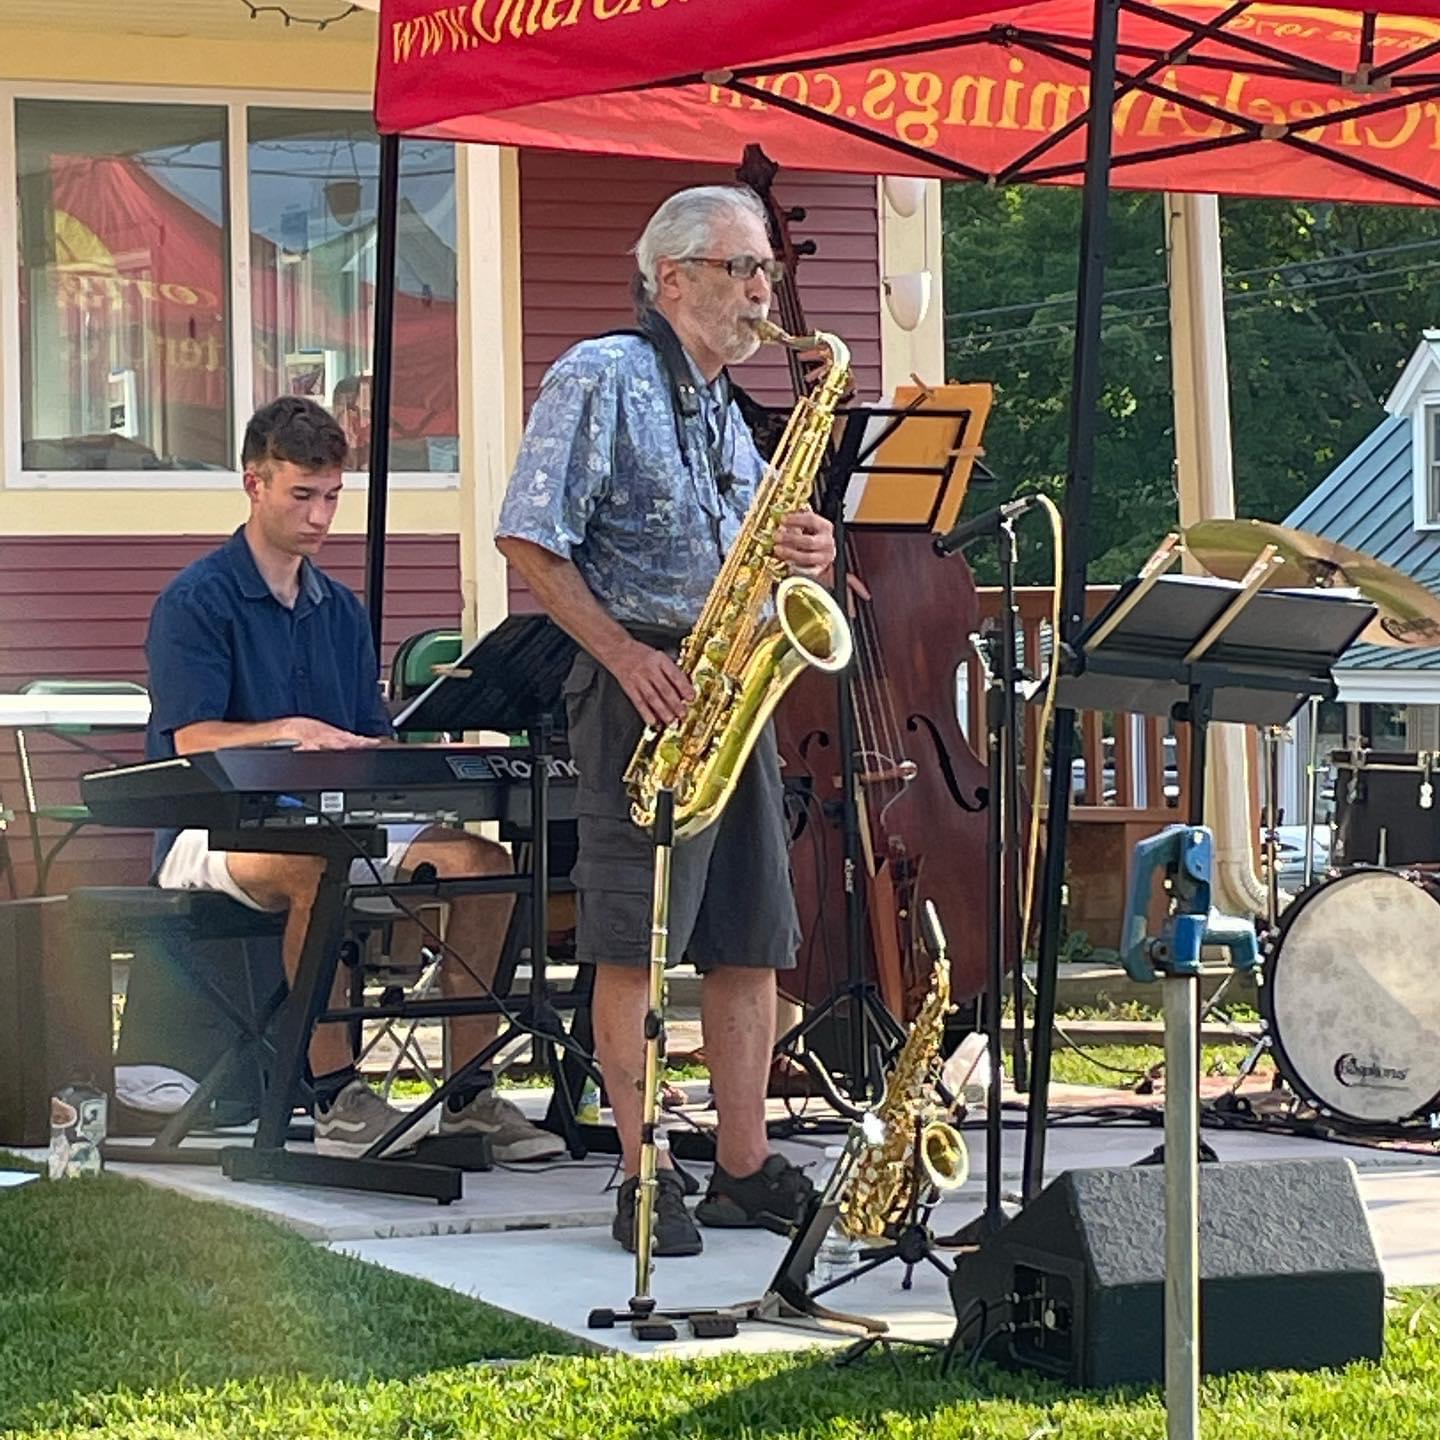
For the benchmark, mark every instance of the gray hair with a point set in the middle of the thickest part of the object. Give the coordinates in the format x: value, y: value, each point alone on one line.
x: 682, y: 227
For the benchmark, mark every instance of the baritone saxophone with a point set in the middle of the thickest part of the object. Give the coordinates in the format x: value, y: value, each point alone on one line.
x: 740, y: 658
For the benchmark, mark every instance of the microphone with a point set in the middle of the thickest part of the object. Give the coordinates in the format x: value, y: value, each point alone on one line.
x: 986, y: 524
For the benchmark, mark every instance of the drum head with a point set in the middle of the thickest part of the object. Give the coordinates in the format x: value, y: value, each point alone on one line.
x: 1353, y: 996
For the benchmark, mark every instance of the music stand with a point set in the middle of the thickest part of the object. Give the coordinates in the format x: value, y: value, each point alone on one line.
x: 510, y: 681
x: 1198, y: 649
x: 873, y: 1032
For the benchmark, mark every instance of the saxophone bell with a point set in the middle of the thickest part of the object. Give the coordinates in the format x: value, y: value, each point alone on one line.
x: 944, y: 1156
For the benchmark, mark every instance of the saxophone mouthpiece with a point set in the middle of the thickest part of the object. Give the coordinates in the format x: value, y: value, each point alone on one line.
x: 821, y: 340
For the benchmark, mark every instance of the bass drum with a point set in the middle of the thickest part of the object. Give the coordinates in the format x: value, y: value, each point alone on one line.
x: 1352, y: 996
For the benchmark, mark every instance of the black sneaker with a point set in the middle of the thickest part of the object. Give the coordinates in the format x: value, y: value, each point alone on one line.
x: 674, y: 1231
x: 776, y: 1195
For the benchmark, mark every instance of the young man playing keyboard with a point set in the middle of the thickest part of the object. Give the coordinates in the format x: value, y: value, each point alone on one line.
x: 253, y: 644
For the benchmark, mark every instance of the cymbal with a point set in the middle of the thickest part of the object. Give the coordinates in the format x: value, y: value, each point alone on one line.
x: 1409, y: 613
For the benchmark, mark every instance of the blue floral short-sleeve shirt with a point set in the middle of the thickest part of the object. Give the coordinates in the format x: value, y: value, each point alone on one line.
x: 603, y: 480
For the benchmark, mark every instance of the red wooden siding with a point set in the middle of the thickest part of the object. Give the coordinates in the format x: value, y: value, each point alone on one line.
x: 581, y: 214
x: 78, y: 607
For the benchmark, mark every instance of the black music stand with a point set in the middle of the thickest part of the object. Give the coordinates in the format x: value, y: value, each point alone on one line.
x: 1197, y: 649
x: 872, y: 1033
x: 510, y: 681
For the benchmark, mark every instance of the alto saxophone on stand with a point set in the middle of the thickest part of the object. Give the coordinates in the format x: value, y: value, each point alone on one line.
x: 919, y: 1153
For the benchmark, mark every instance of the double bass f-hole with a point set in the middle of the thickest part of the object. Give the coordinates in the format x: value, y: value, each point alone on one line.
x: 979, y: 798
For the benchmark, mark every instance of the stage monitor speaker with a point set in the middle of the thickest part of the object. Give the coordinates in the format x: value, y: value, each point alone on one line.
x: 1074, y: 1284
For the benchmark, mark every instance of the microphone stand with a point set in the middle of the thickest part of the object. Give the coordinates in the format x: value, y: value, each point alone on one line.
x: 1003, y: 939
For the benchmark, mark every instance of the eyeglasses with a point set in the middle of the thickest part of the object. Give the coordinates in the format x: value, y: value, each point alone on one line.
x: 742, y: 267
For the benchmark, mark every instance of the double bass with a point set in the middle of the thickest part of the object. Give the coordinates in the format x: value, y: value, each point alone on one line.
x: 920, y: 788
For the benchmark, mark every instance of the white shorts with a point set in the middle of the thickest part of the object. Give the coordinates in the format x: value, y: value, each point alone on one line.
x: 193, y: 865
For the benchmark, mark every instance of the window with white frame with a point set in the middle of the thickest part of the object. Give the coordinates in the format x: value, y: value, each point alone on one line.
x: 129, y: 300
x: 1430, y: 428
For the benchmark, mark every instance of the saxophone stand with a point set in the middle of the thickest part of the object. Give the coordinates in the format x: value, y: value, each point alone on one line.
x: 641, y: 1315
x: 788, y: 1299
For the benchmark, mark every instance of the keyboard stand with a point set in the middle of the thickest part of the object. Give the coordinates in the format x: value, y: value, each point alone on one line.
x: 510, y: 681
x: 268, y: 1159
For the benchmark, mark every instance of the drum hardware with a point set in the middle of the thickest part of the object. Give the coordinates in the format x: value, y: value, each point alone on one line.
x: 1386, y: 814
x: 1312, y: 787
x: 1270, y: 738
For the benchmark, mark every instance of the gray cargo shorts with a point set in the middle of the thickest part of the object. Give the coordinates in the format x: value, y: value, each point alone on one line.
x: 731, y: 901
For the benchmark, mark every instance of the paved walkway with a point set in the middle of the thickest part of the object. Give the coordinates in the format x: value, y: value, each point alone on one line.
x: 537, y: 1241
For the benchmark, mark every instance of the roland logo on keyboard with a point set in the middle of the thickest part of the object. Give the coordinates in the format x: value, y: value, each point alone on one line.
x: 502, y: 767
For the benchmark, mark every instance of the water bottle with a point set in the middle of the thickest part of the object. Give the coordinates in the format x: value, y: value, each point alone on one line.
x: 77, y: 1131
x: 837, y: 1256
x: 588, y: 1110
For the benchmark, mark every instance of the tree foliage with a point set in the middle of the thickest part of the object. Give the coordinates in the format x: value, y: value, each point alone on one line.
x: 1324, y: 304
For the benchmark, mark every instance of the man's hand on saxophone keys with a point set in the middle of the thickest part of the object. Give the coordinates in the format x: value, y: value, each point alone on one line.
x: 806, y: 542
x: 658, y: 688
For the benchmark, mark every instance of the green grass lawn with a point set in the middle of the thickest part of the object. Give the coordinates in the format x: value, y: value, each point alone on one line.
x: 126, y: 1311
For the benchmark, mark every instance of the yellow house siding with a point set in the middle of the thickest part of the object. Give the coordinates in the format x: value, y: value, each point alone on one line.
x: 276, y: 59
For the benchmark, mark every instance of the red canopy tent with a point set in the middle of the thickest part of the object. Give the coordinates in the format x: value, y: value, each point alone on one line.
x: 1279, y: 99
x: 1347, y: 107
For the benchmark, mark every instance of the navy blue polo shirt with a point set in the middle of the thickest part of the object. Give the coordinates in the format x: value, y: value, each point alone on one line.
x: 222, y: 647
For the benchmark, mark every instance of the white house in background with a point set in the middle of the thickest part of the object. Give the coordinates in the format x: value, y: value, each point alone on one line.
x: 1383, y: 499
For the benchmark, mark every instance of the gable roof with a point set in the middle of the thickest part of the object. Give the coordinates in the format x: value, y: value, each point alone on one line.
x: 1365, y: 502
x: 1421, y: 373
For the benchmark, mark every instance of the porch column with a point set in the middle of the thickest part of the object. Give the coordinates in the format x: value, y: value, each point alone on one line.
x: 1206, y: 483
x: 489, y: 368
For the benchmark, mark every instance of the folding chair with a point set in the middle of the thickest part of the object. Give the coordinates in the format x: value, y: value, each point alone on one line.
x: 416, y: 664
x: 74, y: 817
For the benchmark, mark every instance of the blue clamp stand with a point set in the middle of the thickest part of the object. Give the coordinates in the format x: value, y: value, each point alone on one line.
x: 1185, y: 855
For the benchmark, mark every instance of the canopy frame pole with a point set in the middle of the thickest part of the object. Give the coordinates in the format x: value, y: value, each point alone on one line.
x: 1302, y: 69
x: 1170, y: 57
x: 1368, y: 167
x: 851, y: 127
x: 387, y: 224
x: 1400, y: 62
x: 1084, y: 407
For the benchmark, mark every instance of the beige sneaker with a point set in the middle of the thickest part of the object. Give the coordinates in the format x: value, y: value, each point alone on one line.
x: 358, y: 1118
x: 512, y: 1136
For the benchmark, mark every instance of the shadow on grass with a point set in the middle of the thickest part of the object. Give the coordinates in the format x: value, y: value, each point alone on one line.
x: 900, y: 1394
x: 110, y: 1284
